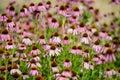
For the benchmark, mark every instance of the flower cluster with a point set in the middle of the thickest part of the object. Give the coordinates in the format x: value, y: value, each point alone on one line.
x: 47, y: 41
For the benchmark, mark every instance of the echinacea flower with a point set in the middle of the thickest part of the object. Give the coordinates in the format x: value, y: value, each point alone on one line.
x: 6, y: 55
x: 62, y: 78
x: 85, y: 38
x: 35, y: 50
x: 26, y: 11
x: 54, y: 24
x: 10, y: 24
x: 76, y: 12
x: 27, y: 41
x: 2, y: 69
x: 66, y: 72
x: 97, y: 47
x: 66, y: 40
x: 106, y: 46
x: 48, y: 5
x: 15, y: 72
x: 81, y: 28
x: 109, y: 72
x: 53, y: 51
x: 74, y: 76
x: 56, y: 74
x: 91, y: 9
x: 33, y: 70
x: 79, y: 50
x: 73, y: 19
x: 67, y: 63
x: 110, y: 56
x: 97, y: 59
x: 95, y: 35
x: 109, y: 37
x: 87, y: 64
x: 42, y: 40
x: 41, y: 7
x: 25, y: 76
x: 72, y: 30
x: 62, y: 10
x: 22, y: 12
x: 54, y: 67
x: 93, y: 28
x: 46, y: 47
x: 32, y: 7
x: 73, y: 50
x: 97, y: 22
x: 36, y: 57
x: 5, y: 35
x: 33, y: 62
x: 86, y: 53
x: 24, y: 59
x: 10, y: 45
x: 3, y: 18
x: 11, y: 11
x: 22, y: 47
x: 59, y: 48
x: 115, y: 43
x: 36, y: 14
x: 115, y: 2
x: 56, y: 39
x: 49, y: 16
x: 39, y: 77
x: 103, y: 34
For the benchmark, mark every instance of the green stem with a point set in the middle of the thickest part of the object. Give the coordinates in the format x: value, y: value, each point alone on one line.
x: 63, y: 26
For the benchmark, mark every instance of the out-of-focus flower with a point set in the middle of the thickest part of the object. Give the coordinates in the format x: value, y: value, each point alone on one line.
x: 27, y: 41
x: 54, y: 67
x: 73, y: 50
x: 5, y: 35
x: 3, y: 18
x: 62, y: 78
x: 62, y: 10
x: 33, y: 70
x: 53, y: 51
x: 32, y: 7
x: 25, y: 75
x: 54, y: 24
x: 110, y: 56
x: 67, y: 63
x: 66, y: 40
x: 39, y: 77
x: 97, y: 47
x: 41, y: 40
x: 81, y: 28
x: 79, y: 50
x: 66, y: 72
x: 109, y: 73
x: 15, y: 72
x: 10, y: 24
x: 41, y: 7
x: 10, y: 45
x: 72, y: 30
x: 85, y: 38
x: 33, y: 62
x: 11, y: 11
x: 76, y: 12
x: 35, y: 51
